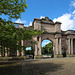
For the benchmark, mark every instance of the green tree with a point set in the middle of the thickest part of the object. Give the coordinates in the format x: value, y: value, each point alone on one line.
x: 10, y: 36
x: 12, y: 8
x: 47, y: 49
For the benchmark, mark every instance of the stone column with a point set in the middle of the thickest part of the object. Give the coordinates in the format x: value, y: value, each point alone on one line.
x: 35, y: 47
x: 6, y: 52
x: 0, y: 53
x: 71, y: 46
x: 53, y: 49
x: 56, y: 45
x: 0, y: 50
x: 39, y: 46
x: 68, y: 45
x: 17, y: 53
x: 60, y: 46
x: 22, y: 53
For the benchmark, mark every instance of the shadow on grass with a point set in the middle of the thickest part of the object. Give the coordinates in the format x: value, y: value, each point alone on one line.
x: 42, y: 68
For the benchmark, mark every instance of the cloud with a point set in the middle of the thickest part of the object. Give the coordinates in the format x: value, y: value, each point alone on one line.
x: 73, y: 12
x: 24, y: 21
x: 73, y: 3
x: 42, y: 17
x: 28, y: 48
x: 46, y: 43
x: 19, y: 21
x: 30, y: 24
x: 67, y: 21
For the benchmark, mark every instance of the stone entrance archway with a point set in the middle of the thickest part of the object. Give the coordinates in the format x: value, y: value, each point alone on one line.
x: 53, y: 32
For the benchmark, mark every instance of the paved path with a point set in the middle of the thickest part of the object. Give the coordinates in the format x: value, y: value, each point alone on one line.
x: 55, y: 66
x: 52, y: 66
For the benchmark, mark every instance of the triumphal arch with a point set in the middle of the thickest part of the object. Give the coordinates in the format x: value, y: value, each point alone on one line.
x: 62, y: 40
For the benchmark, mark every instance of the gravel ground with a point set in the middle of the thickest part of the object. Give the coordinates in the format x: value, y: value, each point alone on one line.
x: 10, y: 68
x: 52, y: 66
x: 55, y: 66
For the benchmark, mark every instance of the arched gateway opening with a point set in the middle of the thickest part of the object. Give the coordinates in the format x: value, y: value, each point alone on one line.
x: 29, y: 52
x: 47, y: 48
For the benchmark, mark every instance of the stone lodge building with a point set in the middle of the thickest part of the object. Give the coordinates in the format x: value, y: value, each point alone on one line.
x: 62, y: 40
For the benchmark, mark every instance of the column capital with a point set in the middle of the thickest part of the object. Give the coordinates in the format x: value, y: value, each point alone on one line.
x: 58, y: 36
x: 71, y: 38
x: 68, y: 37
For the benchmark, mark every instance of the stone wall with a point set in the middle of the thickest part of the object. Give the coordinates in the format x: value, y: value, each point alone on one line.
x: 48, y: 28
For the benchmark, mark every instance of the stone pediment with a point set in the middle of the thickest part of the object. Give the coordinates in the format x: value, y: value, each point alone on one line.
x: 47, y: 20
